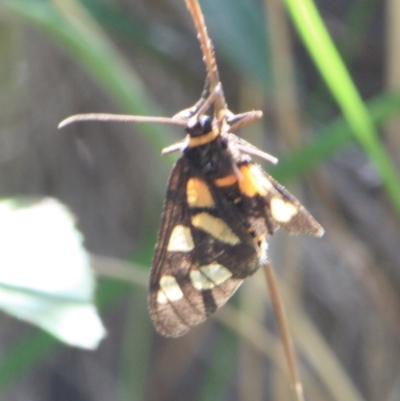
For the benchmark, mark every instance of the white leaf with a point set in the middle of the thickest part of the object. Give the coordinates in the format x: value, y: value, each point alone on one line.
x: 45, y: 277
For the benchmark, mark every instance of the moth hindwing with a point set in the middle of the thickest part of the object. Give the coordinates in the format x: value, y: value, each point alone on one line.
x: 219, y: 210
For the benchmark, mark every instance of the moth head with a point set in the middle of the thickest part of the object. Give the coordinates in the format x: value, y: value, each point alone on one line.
x: 199, y: 125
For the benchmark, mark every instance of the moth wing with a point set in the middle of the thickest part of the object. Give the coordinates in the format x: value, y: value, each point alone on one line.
x: 287, y: 212
x: 194, y: 271
x: 173, y: 317
x: 281, y: 208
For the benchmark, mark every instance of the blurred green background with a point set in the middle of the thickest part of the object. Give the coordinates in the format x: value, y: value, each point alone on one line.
x: 330, y: 118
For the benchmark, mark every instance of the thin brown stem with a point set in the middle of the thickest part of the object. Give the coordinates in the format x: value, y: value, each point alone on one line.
x: 208, y: 51
x: 284, y: 331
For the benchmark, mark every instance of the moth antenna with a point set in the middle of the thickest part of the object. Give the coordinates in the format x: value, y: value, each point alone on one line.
x: 178, y: 146
x: 236, y: 121
x: 208, y: 51
x: 210, y: 100
x: 257, y: 153
x: 121, y: 118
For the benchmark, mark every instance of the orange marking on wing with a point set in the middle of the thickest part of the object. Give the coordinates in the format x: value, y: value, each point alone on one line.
x: 226, y: 181
x: 252, y: 181
x: 198, y: 194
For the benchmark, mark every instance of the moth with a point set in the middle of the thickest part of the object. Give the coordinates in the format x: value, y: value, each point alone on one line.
x: 220, y: 208
x: 219, y: 211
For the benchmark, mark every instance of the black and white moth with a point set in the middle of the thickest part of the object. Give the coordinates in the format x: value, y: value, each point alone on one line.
x: 219, y: 210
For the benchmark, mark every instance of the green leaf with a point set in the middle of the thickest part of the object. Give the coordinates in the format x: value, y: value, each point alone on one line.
x: 45, y: 278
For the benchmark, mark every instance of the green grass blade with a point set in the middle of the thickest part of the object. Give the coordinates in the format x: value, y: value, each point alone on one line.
x: 332, y: 138
x: 333, y: 70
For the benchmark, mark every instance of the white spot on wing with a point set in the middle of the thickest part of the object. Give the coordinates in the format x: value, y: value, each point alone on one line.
x: 209, y: 275
x: 181, y: 240
x: 282, y: 211
x: 215, y: 227
x: 161, y: 298
x: 216, y: 272
x: 170, y: 289
x: 200, y: 281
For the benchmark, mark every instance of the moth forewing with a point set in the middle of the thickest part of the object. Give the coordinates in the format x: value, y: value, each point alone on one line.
x: 291, y: 214
x: 201, y: 256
